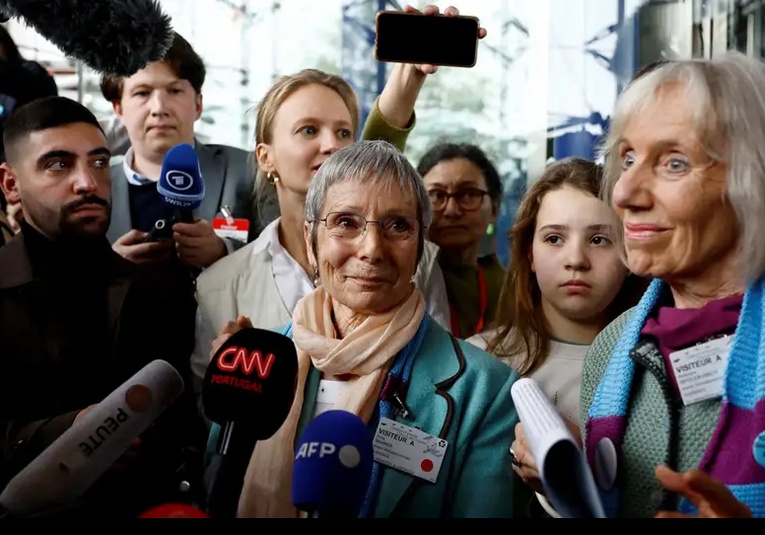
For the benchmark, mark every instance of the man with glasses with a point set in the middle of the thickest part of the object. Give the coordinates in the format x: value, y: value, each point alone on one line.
x: 465, y: 192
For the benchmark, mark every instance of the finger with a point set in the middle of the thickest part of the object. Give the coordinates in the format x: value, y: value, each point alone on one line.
x: 520, y: 434
x: 228, y: 328
x: 720, y: 499
x: 410, y: 9
x: 197, y: 228
x: 452, y: 11
x: 428, y: 69
x: 188, y: 241
x: 482, y: 33
x: 150, y: 248
x: 244, y: 322
x: 130, y: 237
x: 671, y: 514
x: 430, y: 9
x: 669, y: 479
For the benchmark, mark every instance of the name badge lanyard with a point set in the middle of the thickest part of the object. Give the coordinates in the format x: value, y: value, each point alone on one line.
x: 392, y: 404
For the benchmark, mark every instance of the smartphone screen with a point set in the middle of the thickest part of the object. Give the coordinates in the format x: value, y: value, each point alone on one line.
x: 436, y: 40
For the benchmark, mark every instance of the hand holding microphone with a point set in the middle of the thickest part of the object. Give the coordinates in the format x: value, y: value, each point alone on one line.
x: 83, y: 453
x: 197, y: 244
x: 182, y: 189
x: 134, y: 246
x: 248, y: 390
x: 229, y: 328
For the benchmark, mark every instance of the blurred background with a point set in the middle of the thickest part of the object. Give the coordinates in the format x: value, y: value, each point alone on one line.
x: 546, y: 77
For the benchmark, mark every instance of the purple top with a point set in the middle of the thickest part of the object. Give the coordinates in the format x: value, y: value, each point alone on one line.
x: 679, y: 328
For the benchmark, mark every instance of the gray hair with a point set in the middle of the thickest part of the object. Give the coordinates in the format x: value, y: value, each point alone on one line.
x: 728, y: 93
x: 373, y: 162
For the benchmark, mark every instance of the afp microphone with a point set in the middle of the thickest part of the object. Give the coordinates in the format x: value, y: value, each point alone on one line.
x: 248, y: 389
x: 85, y: 451
x: 333, y: 466
x: 116, y: 37
x: 180, y: 182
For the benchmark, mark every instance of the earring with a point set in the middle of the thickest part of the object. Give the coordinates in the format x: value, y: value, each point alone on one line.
x: 316, y: 280
x: 272, y: 178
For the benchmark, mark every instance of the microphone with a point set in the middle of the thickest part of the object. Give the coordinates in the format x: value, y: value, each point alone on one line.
x: 248, y: 389
x: 180, y: 182
x: 110, y: 37
x: 333, y: 466
x: 174, y: 510
x: 76, y: 459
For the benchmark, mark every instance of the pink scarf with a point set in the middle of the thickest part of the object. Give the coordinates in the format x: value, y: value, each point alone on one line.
x: 366, y: 354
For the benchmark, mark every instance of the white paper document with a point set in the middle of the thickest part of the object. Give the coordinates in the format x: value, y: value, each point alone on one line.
x: 566, y: 477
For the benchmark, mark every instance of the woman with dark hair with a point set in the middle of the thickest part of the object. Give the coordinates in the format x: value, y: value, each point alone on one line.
x: 465, y: 192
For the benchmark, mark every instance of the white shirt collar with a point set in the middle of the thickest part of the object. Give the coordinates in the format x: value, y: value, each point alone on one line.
x: 292, y: 282
x: 133, y: 177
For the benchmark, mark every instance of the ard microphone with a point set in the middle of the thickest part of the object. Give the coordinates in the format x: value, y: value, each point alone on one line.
x: 74, y: 461
x: 109, y: 36
x: 180, y: 183
x: 248, y: 389
x: 333, y: 466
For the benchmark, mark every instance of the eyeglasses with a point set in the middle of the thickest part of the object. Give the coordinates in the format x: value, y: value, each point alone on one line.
x: 467, y: 199
x: 351, y: 226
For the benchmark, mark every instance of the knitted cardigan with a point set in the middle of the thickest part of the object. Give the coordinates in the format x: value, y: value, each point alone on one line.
x: 716, y: 436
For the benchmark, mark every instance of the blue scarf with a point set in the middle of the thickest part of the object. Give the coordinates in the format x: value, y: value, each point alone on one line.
x: 735, y: 454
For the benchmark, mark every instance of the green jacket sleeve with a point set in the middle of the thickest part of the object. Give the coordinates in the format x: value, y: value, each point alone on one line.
x: 377, y: 127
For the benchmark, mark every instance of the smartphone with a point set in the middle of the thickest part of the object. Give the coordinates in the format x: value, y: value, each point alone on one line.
x: 430, y: 39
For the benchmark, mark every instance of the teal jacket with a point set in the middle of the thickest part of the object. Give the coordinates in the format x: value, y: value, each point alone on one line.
x: 464, y: 397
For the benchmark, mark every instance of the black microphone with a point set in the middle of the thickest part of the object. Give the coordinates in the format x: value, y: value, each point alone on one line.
x: 114, y: 37
x: 248, y: 389
x: 75, y: 460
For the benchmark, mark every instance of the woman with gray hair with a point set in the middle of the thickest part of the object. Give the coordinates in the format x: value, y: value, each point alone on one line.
x: 365, y: 326
x: 672, y: 391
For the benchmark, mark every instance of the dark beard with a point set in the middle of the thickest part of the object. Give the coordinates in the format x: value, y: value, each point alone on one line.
x: 71, y: 231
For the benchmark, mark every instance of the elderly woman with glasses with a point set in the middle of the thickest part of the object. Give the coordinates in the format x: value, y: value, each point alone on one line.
x: 465, y: 192
x: 365, y: 326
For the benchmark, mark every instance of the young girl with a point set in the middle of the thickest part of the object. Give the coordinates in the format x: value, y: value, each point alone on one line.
x: 565, y: 283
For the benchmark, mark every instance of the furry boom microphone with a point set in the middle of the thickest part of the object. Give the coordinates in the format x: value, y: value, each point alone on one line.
x: 110, y: 36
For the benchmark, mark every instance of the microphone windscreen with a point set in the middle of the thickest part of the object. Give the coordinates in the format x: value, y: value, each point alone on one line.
x: 76, y: 459
x: 333, y: 465
x: 116, y: 37
x: 252, y: 380
x: 180, y: 181
x: 174, y: 510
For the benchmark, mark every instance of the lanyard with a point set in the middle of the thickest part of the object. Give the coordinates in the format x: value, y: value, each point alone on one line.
x: 483, y: 303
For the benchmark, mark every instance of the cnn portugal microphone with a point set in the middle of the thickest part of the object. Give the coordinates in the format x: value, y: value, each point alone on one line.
x: 180, y: 184
x: 248, y: 389
x: 76, y: 459
x: 332, y: 466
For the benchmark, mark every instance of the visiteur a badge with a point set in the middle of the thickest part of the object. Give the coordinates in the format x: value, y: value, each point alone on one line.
x: 409, y: 449
x: 700, y: 370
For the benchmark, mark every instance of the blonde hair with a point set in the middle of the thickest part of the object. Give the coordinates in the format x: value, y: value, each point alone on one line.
x: 728, y: 95
x: 283, y: 88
